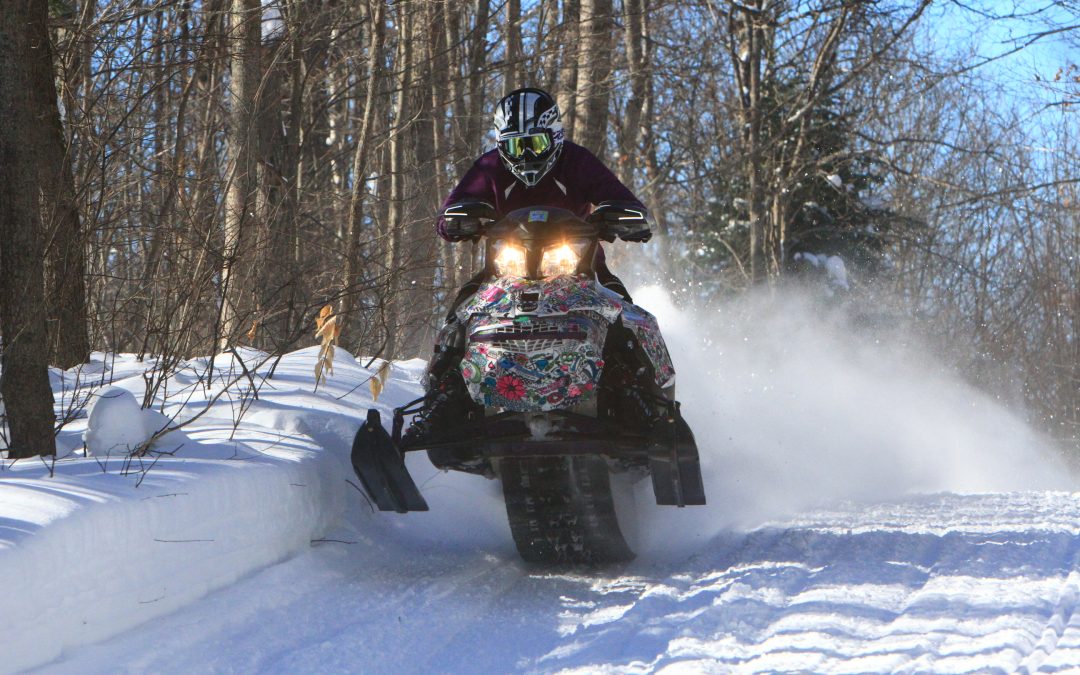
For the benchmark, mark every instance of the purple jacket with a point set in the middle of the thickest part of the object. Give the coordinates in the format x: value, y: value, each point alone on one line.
x: 577, y: 182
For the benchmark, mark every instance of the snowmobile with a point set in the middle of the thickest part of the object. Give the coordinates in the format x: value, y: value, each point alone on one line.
x: 555, y: 383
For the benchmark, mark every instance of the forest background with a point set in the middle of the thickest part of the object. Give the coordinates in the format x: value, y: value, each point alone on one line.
x: 179, y: 177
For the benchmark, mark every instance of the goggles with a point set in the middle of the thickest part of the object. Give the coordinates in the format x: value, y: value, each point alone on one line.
x: 515, y: 146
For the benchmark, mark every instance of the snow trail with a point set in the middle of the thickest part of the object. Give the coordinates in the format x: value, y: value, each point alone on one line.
x: 939, y: 583
x: 866, y: 513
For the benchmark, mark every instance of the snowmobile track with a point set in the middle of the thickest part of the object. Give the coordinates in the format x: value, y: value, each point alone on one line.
x: 561, y: 510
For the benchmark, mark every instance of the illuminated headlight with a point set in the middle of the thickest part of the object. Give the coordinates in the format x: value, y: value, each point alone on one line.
x: 562, y: 259
x: 510, y: 260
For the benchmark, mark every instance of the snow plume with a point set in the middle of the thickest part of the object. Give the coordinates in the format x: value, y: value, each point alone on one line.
x: 792, y: 408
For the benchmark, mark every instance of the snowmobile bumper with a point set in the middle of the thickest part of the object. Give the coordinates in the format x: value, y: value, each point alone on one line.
x: 668, y: 449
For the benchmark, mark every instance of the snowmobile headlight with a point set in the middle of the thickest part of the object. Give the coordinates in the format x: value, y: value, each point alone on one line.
x: 510, y: 260
x: 558, y: 260
x: 562, y: 259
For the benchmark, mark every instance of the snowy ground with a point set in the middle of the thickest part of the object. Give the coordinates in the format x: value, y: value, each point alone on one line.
x: 936, y: 584
x: 867, y: 513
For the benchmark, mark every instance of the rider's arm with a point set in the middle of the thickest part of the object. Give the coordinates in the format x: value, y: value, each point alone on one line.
x: 598, y: 182
x: 475, y: 185
x: 603, y: 187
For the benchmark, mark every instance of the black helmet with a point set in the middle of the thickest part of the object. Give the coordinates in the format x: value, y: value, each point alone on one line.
x: 529, y: 132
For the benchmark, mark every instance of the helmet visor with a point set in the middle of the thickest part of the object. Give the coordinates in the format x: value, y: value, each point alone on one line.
x: 515, y: 146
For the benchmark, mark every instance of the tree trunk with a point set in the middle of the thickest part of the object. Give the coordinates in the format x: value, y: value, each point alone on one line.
x: 457, y: 146
x: 477, y: 63
x: 478, y: 109
x: 425, y: 141
x: 512, y: 69
x: 747, y: 35
x: 244, y: 39
x: 543, y: 62
x: 441, y: 142
x: 65, y: 268
x: 569, y: 34
x: 203, y: 212
x: 351, y: 277
x: 24, y: 375
x: 630, y: 139
x: 594, y: 64
x: 396, y: 220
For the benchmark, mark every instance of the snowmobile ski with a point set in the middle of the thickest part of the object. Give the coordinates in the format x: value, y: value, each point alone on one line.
x: 674, y: 463
x: 381, y: 468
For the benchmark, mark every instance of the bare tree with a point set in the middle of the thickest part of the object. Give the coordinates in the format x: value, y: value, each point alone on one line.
x: 24, y: 381
x: 396, y: 219
x: 244, y: 39
x: 65, y: 270
x: 594, y: 67
x: 362, y: 157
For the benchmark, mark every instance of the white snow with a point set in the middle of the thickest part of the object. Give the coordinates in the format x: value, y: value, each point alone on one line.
x: 867, y: 513
x: 118, y: 426
x: 835, y: 269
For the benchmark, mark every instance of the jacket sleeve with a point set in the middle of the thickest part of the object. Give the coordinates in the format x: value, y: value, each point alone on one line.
x: 475, y: 184
x: 601, y: 184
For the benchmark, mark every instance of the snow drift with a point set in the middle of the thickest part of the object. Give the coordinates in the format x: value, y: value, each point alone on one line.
x: 97, y: 545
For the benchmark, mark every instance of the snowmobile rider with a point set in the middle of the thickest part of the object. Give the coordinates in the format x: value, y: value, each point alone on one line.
x: 532, y: 165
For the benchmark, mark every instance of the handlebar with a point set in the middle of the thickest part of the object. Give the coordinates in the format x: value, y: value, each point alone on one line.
x: 475, y: 219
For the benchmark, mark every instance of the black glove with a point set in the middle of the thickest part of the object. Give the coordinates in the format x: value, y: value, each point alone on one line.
x: 460, y: 229
x: 626, y: 220
x: 640, y: 236
x: 464, y: 220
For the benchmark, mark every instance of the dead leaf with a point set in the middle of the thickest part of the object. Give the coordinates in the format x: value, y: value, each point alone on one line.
x: 378, y: 380
x: 324, y: 314
x: 327, y: 331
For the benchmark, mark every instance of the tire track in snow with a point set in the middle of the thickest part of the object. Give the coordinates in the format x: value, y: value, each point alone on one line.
x: 1063, y: 627
x: 942, y: 583
x: 905, y: 593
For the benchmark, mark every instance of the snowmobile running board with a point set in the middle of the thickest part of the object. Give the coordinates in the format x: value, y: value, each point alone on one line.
x: 381, y: 468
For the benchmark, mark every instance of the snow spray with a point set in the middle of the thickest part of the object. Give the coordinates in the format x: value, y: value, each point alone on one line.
x: 791, y: 408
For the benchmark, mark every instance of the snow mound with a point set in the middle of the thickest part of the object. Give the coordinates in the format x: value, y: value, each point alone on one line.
x: 118, y: 425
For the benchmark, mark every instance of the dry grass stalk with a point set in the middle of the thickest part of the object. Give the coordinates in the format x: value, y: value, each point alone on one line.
x: 327, y: 330
x: 378, y: 381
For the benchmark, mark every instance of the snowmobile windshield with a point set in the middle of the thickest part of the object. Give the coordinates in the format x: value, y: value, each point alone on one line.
x: 542, y: 242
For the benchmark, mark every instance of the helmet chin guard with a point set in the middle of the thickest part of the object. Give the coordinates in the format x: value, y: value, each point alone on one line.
x: 531, y: 173
x: 524, y: 115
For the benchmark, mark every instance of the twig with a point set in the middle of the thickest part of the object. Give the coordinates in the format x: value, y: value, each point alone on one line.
x: 363, y: 494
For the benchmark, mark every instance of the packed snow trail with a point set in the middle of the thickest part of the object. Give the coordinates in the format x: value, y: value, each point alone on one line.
x: 939, y: 584
x: 866, y: 513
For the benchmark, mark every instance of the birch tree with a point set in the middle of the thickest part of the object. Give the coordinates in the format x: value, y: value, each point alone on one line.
x: 244, y: 41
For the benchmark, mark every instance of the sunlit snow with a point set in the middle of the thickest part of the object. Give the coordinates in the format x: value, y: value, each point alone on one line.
x: 867, y: 513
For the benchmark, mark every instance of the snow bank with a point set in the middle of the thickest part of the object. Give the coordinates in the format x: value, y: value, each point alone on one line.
x: 108, y: 542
